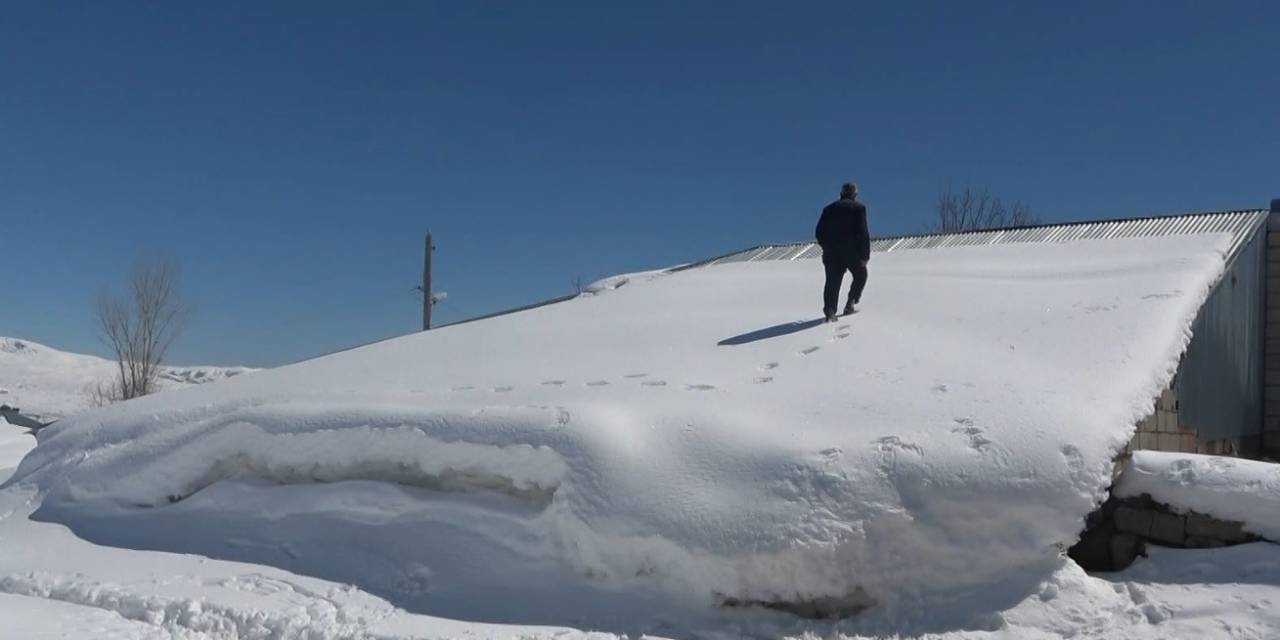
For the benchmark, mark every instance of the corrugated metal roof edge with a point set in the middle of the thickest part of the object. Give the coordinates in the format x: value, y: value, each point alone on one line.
x: 1079, y: 223
x: 1258, y: 221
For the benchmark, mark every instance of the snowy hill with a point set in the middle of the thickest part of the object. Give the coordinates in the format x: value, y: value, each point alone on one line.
x: 634, y: 459
x: 50, y: 383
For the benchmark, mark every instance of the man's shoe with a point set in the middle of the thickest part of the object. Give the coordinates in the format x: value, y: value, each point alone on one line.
x: 849, y: 310
x: 831, y: 317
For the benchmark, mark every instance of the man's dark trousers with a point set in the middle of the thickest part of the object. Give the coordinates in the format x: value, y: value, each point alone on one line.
x: 836, y: 266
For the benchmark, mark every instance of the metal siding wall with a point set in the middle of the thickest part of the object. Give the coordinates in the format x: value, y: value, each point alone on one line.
x: 1220, y: 380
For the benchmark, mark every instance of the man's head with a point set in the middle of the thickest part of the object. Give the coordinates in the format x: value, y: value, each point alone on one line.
x: 849, y: 190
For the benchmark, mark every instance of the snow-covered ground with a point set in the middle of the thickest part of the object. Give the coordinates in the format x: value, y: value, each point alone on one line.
x: 630, y: 460
x: 50, y: 383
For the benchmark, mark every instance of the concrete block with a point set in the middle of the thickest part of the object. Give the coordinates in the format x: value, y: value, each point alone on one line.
x: 1203, y: 543
x: 1169, y: 442
x: 1125, y: 548
x: 1167, y: 528
x: 1148, y: 424
x: 1148, y: 441
x: 1208, y: 527
x: 1135, y: 521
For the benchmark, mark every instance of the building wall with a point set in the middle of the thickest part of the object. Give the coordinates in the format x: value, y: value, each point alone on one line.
x: 1271, y: 375
x: 1220, y: 380
x: 1215, y: 403
x: 1165, y: 429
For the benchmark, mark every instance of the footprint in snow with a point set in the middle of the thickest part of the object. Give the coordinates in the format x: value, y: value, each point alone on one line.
x: 654, y: 383
x: 940, y: 388
x: 768, y: 365
x: 502, y: 389
x: 552, y: 383
x: 467, y: 388
x: 598, y: 383
x: 764, y: 379
x: 699, y: 387
x: 894, y: 444
x: 805, y: 352
x: 974, y: 434
x: 635, y: 375
x: 840, y: 336
x: 843, y: 327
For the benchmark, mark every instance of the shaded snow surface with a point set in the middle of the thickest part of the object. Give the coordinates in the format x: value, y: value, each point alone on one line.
x: 1245, y: 491
x: 15, y: 442
x: 654, y: 449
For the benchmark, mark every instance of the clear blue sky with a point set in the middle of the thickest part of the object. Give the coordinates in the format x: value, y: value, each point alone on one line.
x: 293, y: 154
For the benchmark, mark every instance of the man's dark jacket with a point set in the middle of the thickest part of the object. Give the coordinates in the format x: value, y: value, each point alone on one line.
x: 842, y: 231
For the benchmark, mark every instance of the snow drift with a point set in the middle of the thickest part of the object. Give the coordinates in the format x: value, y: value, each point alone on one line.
x: 689, y: 438
x: 1233, y: 489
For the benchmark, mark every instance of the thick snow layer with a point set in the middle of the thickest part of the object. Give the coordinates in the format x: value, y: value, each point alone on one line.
x: 50, y: 383
x: 673, y: 443
x: 54, y: 585
x: 1245, y: 491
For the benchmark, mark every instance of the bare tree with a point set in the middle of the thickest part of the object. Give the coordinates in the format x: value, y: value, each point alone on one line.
x: 140, y: 326
x: 977, y: 209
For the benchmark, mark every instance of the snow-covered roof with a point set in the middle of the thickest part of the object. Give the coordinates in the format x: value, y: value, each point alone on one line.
x: 680, y: 440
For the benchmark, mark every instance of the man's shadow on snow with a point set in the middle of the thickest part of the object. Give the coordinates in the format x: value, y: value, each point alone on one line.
x: 775, y: 331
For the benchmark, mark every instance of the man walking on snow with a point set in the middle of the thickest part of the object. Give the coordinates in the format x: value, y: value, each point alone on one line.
x: 846, y: 246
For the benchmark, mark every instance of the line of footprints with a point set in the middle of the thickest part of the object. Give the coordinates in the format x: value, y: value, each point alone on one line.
x: 841, y: 333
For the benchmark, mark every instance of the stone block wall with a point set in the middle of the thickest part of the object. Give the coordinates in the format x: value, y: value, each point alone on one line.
x: 1120, y: 531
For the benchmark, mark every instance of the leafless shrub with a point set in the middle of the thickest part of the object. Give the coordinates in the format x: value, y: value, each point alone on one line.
x: 103, y: 393
x: 978, y: 209
x: 140, y: 326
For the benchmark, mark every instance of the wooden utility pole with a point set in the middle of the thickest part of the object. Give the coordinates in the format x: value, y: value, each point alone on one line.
x: 426, y: 286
